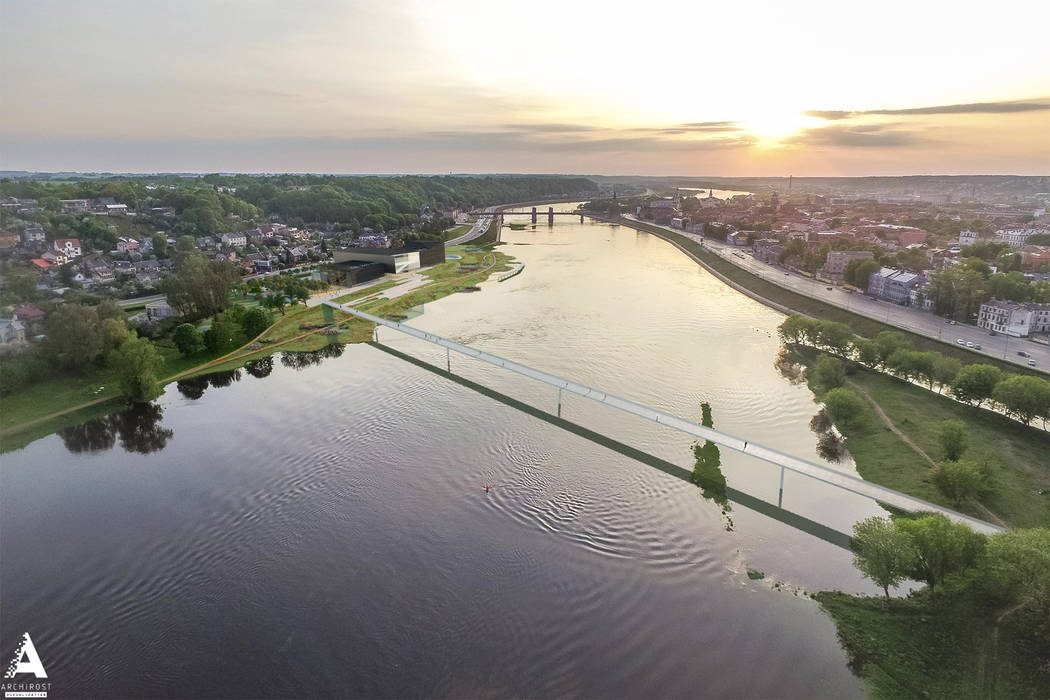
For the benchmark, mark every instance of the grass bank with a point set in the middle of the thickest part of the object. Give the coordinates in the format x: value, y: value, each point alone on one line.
x: 1014, y: 455
x: 921, y: 648
x: 50, y: 405
x: 800, y: 303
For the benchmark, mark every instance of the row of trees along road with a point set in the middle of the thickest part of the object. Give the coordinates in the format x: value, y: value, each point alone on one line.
x: 1023, y: 397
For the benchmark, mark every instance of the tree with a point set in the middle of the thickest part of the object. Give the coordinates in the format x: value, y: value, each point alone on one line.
x: 798, y: 329
x: 889, y: 342
x: 859, y: 271
x: 1011, y: 285
x: 844, y: 406
x: 1024, y: 396
x: 109, y: 308
x: 114, y: 333
x: 976, y: 383
x: 187, y: 339
x: 942, y: 548
x: 835, y: 336
x: 160, y: 245
x: 299, y: 293
x: 275, y: 301
x: 829, y: 372
x: 882, y: 552
x: 1017, y: 564
x: 199, y: 287
x: 867, y: 352
x: 952, y: 436
x: 186, y: 244
x: 255, y: 321
x: 137, y: 362
x: 220, y: 336
x: 945, y: 369
x: 74, y: 338
x: 958, y: 481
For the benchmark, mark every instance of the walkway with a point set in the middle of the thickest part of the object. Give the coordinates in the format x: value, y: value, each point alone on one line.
x: 816, y: 471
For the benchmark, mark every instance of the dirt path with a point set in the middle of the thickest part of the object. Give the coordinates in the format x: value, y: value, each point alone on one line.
x: 889, y: 424
x: 918, y: 450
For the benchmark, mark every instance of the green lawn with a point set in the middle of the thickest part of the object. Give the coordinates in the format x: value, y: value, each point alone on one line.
x: 1014, y: 455
x: 909, y: 649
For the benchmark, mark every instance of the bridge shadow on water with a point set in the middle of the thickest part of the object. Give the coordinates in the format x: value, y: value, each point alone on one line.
x: 799, y: 522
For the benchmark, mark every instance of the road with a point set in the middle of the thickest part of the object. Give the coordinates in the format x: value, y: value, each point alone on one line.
x: 914, y: 320
x: 479, y: 228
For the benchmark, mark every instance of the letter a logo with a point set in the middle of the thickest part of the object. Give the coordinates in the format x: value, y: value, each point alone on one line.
x: 32, y: 664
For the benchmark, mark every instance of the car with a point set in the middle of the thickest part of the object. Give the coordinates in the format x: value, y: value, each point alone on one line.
x: 947, y: 322
x: 828, y: 288
x: 977, y: 346
x: 969, y: 344
x: 960, y: 341
x: 991, y: 333
x: 1022, y: 353
x: 953, y: 323
x: 1031, y: 363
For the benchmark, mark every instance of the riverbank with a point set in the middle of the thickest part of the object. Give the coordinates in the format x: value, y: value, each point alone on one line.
x: 918, y: 647
x: 895, y: 444
x: 789, y: 302
x: 57, y: 403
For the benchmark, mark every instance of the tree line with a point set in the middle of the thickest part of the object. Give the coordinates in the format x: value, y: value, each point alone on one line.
x: 1021, y: 396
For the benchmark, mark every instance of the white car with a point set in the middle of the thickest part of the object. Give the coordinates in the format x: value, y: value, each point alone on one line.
x: 969, y: 345
x: 960, y: 341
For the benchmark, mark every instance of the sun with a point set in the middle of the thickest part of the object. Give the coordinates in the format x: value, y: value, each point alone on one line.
x: 772, y: 128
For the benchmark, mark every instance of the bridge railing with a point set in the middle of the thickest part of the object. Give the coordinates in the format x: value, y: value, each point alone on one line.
x: 819, y: 472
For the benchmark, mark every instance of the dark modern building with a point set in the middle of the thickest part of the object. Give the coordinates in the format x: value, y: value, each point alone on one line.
x: 351, y: 272
x: 411, y: 256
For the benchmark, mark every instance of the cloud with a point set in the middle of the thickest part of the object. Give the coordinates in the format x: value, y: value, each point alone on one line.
x: 550, y: 128
x: 967, y: 108
x: 862, y: 136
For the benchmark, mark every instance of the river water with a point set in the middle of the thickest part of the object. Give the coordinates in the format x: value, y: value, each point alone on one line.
x: 320, y: 527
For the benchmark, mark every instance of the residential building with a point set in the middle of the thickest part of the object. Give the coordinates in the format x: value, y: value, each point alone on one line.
x: 835, y: 265
x: 1016, y: 237
x: 28, y: 314
x: 12, y: 333
x: 127, y: 244
x: 116, y: 209
x: 70, y: 247
x: 1035, y: 257
x: 767, y: 250
x: 967, y: 238
x: 159, y: 309
x: 70, y: 206
x: 235, y: 240
x: 894, y: 285
x: 1014, y: 318
x: 33, y: 235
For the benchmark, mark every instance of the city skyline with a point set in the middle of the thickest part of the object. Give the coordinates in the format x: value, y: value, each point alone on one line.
x: 407, y: 87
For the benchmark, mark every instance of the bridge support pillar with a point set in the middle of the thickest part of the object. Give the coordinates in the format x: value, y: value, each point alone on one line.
x: 534, y: 215
x: 581, y: 218
x: 780, y: 497
x: 448, y: 360
x: 559, y: 402
x: 550, y: 216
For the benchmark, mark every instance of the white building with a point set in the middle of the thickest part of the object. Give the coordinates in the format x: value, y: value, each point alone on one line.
x: 1014, y: 318
x: 967, y: 238
x: 1016, y: 237
x: 237, y: 240
x: 70, y: 247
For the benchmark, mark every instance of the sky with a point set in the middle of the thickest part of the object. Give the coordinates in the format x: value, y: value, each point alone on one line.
x: 809, y: 88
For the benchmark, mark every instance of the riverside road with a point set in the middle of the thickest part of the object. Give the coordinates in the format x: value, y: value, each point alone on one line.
x: 914, y: 320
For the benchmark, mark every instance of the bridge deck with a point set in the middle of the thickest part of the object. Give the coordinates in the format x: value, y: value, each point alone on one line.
x: 801, y: 466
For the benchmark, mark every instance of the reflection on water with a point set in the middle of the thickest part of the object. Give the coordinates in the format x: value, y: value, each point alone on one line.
x: 138, y: 428
x: 326, y: 532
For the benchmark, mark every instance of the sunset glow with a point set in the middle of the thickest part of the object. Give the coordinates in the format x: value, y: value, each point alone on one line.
x: 466, y: 86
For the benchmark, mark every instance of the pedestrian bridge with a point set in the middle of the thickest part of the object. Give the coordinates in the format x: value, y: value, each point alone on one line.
x: 881, y: 494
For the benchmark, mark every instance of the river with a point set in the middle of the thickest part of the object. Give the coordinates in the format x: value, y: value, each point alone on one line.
x: 320, y: 527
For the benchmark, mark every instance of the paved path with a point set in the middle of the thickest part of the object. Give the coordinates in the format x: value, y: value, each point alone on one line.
x: 914, y: 320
